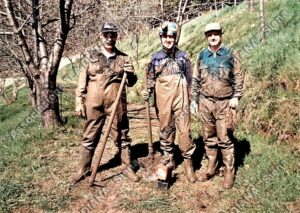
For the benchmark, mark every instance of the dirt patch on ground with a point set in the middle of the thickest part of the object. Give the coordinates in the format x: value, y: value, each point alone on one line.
x: 121, y: 195
x: 294, y: 206
x: 26, y: 210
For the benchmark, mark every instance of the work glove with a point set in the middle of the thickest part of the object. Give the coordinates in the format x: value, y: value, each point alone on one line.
x: 233, y: 103
x: 128, y: 67
x: 194, y: 107
x: 80, y: 110
x: 146, y: 94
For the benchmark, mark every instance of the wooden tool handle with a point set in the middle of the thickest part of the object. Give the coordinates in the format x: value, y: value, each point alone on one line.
x: 105, y: 137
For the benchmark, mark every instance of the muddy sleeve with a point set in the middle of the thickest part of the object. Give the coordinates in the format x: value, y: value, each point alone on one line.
x: 238, y: 75
x: 82, y: 81
x: 151, y: 78
x: 188, y: 71
x: 195, y: 88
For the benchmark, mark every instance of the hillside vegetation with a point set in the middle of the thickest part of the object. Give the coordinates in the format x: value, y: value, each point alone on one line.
x: 35, y: 164
x: 271, y: 102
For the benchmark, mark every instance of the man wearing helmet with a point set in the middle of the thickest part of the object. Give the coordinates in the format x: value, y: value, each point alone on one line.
x: 99, y: 81
x: 168, y: 76
x: 217, y: 85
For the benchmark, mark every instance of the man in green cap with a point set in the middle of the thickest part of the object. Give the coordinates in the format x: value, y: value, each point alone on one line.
x: 98, y: 84
x: 217, y: 85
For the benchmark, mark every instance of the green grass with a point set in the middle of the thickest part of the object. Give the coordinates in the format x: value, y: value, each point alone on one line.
x: 33, y: 160
x: 68, y: 74
x: 163, y: 203
x: 14, y: 110
x: 268, y: 182
x: 28, y: 159
x: 272, y: 67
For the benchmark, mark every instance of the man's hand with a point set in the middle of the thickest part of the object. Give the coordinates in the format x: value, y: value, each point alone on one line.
x: 194, y: 107
x: 80, y: 110
x: 233, y: 103
x: 128, y: 67
x: 145, y: 94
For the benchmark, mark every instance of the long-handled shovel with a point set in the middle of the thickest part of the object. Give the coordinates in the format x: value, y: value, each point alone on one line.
x: 105, y: 137
x: 148, y: 164
x: 149, y: 127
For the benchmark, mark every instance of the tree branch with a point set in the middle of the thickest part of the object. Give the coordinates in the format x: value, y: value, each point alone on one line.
x: 180, y: 20
x: 50, y: 21
x: 22, y: 40
x: 65, y: 14
x: 6, y: 33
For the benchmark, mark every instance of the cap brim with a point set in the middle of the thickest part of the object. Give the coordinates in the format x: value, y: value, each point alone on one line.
x: 169, y: 34
x: 109, y: 31
x: 213, y: 30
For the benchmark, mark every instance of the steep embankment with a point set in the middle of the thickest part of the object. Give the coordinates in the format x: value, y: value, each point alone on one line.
x: 35, y: 164
x: 271, y: 104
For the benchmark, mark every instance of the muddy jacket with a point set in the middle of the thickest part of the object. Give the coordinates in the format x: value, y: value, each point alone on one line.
x: 169, y: 75
x: 164, y: 64
x: 104, y: 73
x: 217, y: 75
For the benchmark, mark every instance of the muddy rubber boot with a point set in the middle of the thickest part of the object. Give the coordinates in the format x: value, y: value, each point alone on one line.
x: 84, y: 165
x: 189, y: 170
x: 126, y: 165
x: 228, y: 160
x: 212, y: 155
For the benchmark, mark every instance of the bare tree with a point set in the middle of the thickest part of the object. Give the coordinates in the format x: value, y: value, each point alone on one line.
x: 38, y: 31
x: 180, y: 17
x: 216, y: 8
x: 262, y: 20
x: 41, y: 28
x: 162, y: 8
x: 9, y: 92
x: 10, y: 72
x: 251, y: 6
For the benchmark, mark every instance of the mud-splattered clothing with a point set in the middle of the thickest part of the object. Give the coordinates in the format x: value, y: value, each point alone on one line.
x: 169, y: 77
x: 217, y: 75
x: 98, y: 85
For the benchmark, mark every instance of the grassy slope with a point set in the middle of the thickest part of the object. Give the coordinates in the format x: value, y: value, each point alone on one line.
x: 34, y: 165
x: 271, y: 102
x: 32, y: 159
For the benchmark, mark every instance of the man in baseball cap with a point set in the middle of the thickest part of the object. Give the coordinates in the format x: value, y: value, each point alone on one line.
x: 213, y: 27
x: 109, y: 27
x: 217, y: 85
x: 98, y: 85
x: 109, y: 35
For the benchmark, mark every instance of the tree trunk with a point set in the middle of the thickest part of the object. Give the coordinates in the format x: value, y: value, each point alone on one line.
x: 32, y: 93
x: 216, y: 8
x: 31, y: 85
x: 162, y: 9
x: 50, y: 108
x: 44, y: 98
x: 48, y: 101
x: 262, y: 20
x: 42, y: 65
x: 251, y: 6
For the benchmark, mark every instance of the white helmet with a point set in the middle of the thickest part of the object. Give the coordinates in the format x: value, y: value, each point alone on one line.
x: 168, y: 28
